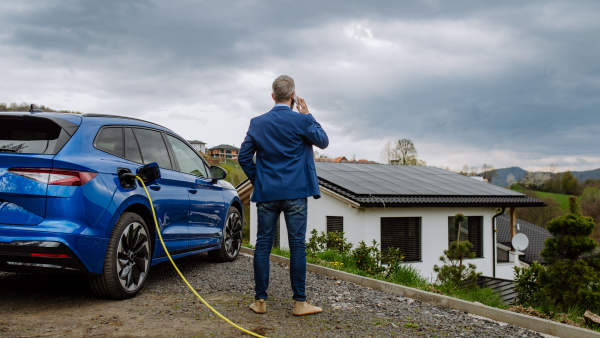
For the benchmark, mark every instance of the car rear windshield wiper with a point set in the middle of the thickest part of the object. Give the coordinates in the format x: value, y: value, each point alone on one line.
x: 7, y: 150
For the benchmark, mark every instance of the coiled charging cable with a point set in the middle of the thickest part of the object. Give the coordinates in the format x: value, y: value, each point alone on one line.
x: 181, y: 275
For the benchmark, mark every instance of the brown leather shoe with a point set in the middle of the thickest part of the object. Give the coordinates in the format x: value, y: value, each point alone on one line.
x: 259, y: 306
x: 303, y: 309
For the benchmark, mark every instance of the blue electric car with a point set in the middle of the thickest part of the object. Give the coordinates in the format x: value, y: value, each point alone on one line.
x: 68, y: 202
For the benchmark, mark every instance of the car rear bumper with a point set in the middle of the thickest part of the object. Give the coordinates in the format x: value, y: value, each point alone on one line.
x: 48, y: 252
x: 39, y: 256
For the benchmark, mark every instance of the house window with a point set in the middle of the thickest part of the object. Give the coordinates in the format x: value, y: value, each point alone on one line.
x: 403, y: 233
x: 502, y: 256
x: 471, y: 229
x: 335, y: 223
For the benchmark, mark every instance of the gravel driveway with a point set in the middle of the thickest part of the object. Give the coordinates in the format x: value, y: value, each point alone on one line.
x: 61, y: 305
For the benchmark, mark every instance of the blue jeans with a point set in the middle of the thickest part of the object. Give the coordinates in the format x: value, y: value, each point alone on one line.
x: 295, y: 212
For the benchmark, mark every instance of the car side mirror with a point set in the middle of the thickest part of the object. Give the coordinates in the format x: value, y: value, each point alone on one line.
x: 217, y: 173
x: 150, y: 172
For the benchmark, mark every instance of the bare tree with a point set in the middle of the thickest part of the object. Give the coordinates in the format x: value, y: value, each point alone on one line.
x: 488, y: 172
x: 388, y: 154
x: 402, y: 152
x: 406, y: 152
x: 473, y: 170
x: 465, y: 170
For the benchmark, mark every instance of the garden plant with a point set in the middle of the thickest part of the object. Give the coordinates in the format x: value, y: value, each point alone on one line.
x: 569, y: 283
x: 454, y: 272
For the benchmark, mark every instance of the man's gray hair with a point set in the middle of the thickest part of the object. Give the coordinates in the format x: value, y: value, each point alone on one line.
x: 283, y: 87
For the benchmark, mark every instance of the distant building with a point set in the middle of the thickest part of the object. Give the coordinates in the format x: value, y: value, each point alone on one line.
x: 224, y: 151
x: 199, y: 146
x: 342, y: 159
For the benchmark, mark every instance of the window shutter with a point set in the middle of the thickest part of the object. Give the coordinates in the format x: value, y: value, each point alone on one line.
x: 471, y: 230
x: 335, y: 223
x: 403, y: 233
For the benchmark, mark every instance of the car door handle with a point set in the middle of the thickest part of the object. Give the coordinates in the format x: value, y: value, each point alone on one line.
x: 155, y: 187
x: 192, y: 190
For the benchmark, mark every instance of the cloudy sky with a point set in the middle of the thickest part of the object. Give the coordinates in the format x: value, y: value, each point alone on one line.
x: 511, y: 83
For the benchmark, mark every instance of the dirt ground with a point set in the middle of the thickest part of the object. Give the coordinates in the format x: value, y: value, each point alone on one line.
x: 35, y: 306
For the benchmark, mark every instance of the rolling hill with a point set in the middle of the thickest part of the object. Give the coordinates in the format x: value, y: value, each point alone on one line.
x: 503, y: 173
x: 518, y: 173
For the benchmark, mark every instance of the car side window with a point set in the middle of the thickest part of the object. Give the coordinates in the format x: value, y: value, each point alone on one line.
x: 153, y: 147
x: 189, y: 160
x: 132, y: 151
x: 110, y: 140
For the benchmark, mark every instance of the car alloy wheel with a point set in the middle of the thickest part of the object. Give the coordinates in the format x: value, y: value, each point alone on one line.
x: 133, y: 256
x: 233, y: 234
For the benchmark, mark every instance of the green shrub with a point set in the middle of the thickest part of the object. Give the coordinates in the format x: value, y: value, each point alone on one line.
x: 527, y: 287
x: 333, y: 240
x: 572, y: 275
x: 368, y: 258
x: 372, y: 261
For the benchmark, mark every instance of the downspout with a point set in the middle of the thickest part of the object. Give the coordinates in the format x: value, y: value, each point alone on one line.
x: 494, y: 230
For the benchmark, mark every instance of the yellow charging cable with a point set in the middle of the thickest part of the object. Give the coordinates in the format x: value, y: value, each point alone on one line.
x: 181, y: 275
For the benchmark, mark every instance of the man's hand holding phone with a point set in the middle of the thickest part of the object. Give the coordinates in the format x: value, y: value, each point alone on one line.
x: 301, y: 104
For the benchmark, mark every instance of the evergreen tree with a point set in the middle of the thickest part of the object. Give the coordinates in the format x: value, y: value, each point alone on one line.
x: 572, y: 275
x: 454, y: 272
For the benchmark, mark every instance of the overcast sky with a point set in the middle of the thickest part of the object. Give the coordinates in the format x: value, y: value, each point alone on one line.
x: 511, y: 83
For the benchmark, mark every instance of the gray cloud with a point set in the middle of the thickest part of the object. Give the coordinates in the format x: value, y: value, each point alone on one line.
x: 512, y: 77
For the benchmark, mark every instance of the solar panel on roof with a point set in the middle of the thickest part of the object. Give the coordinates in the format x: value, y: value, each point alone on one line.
x: 405, y: 180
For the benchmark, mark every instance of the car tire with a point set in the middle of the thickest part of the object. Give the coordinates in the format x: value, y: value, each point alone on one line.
x: 127, y: 260
x: 232, y: 238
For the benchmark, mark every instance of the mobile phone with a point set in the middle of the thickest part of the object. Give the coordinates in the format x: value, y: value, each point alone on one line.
x: 295, y: 100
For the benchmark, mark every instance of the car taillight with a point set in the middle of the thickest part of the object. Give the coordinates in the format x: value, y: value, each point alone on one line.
x: 55, y: 176
x: 34, y: 254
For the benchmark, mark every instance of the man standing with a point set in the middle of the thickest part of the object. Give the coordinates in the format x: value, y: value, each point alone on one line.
x: 283, y: 177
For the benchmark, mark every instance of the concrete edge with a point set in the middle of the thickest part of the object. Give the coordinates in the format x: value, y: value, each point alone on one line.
x: 521, y: 320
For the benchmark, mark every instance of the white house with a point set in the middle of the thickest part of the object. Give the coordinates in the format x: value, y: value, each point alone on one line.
x: 408, y: 207
x: 199, y: 146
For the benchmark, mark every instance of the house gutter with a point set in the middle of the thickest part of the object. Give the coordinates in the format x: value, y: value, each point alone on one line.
x: 494, y: 230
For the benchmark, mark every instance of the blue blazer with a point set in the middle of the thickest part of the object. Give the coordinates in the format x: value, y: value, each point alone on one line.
x: 282, y: 141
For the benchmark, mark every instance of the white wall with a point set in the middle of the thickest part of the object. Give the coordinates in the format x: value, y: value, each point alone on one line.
x: 364, y: 224
x: 507, y: 270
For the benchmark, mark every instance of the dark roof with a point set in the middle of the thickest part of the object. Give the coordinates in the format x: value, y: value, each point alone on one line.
x: 224, y: 146
x: 373, y: 185
x: 536, y: 235
x: 196, y: 142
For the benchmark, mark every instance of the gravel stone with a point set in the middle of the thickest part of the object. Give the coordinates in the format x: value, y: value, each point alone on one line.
x: 168, y: 308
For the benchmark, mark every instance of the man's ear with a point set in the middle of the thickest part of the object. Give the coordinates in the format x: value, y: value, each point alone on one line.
x: 273, y: 96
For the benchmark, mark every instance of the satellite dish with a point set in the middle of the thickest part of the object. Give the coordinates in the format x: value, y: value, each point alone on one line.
x: 520, y: 242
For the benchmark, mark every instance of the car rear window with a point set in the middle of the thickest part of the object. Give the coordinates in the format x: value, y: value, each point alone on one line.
x: 28, y: 136
x: 110, y: 140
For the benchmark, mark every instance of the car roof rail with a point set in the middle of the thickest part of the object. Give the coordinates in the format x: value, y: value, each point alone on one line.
x: 35, y: 109
x: 123, y: 117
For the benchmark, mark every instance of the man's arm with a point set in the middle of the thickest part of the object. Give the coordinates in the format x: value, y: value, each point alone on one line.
x: 246, y: 155
x: 313, y: 132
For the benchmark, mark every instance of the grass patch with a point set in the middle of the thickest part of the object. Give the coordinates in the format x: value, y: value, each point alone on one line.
x: 562, y: 199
